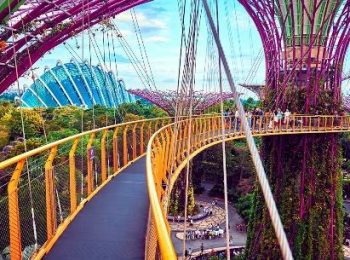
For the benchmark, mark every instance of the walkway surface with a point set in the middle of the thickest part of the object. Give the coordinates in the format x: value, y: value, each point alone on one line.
x: 113, y: 224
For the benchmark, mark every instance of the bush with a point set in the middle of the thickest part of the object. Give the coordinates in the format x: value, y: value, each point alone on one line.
x: 244, y: 206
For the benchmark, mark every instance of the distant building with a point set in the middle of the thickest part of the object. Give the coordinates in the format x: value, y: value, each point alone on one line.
x: 76, y: 84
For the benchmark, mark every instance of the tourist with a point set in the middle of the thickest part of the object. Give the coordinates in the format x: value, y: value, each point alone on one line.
x: 287, y: 117
x: 237, y: 120
x: 268, y: 119
x: 258, y: 116
x: 202, y: 248
x: 227, y: 118
x: 347, y: 242
x: 275, y: 120
x: 336, y: 121
x: 298, y: 121
x: 249, y: 118
x: 279, y: 116
x: 221, y: 232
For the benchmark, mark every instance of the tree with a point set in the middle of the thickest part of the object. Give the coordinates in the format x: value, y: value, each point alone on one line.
x: 32, y: 121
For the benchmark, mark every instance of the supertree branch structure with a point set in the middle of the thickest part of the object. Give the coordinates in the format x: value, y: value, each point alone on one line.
x: 167, y: 99
x: 346, y: 103
x: 37, y: 26
x: 305, y: 42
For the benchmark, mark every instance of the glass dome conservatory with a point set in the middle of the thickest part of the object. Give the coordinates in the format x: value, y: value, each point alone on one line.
x: 76, y: 84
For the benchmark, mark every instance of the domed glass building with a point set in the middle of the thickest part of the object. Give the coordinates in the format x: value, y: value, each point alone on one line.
x: 76, y: 84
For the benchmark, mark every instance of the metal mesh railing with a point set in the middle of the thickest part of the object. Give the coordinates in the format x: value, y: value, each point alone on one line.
x: 41, y: 190
x: 167, y: 156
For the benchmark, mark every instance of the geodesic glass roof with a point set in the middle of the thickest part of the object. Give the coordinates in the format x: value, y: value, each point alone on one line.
x: 76, y: 84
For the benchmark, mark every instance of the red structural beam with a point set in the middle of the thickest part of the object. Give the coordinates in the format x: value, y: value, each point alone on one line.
x: 40, y: 25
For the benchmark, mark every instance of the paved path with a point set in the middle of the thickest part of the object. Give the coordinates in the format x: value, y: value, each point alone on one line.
x: 113, y: 224
x: 238, y: 238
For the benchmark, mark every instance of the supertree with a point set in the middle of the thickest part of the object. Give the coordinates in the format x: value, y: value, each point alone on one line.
x: 305, y: 43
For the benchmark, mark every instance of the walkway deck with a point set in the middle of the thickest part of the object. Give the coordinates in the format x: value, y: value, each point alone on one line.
x: 113, y: 224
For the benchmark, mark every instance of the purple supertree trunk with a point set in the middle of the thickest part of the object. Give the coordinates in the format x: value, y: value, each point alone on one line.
x: 305, y: 42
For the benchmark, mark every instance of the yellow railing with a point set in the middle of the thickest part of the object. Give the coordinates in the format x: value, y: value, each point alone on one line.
x: 64, y: 175
x: 174, y: 145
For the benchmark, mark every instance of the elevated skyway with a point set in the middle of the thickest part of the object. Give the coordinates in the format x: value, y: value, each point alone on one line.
x: 107, y: 212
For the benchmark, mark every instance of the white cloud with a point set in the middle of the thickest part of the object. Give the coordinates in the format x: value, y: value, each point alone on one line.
x: 142, y: 20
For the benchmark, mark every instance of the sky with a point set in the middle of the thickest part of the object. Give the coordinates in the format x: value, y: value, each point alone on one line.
x: 161, y: 30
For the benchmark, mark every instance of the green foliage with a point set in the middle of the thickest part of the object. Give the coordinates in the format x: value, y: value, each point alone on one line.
x: 67, y: 117
x: 306, y: 224
x: 61, y: 122
x: 250, y: 103
x: 61, y: 134
x: 4, y: 136
x: 244, y: 206
x: 147, y: 111
x: 32, y: 120
x: 228, y: 105
x: 17, y: 147
x: 208, y: 166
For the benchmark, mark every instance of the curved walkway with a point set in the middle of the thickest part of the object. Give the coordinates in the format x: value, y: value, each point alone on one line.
x: 113, y: 224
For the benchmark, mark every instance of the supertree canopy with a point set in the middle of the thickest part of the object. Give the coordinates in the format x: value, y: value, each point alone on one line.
x: 305, y: 43
x: 30, y: 28
x: 168, y: 100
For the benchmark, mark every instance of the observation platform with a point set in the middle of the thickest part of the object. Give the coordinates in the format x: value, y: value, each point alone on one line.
x: 113, y: 224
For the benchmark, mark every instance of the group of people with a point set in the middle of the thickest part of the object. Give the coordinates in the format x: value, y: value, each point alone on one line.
x: 212, y: 254
x: 211, y: 232
x: 260, y: 119
x: 241, y: 227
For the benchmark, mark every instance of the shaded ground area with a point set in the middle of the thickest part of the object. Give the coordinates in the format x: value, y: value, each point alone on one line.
x: 113, y: 224
x: 347, y: 248
x: 237, y: 238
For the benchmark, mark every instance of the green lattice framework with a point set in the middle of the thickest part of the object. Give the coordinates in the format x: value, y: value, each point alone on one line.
x: 319, y: 10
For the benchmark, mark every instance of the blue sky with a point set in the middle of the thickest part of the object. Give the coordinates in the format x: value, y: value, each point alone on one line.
x: 160, y: 25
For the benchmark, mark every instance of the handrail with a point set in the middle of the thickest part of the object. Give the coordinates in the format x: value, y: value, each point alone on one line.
x: 206, y: 132
x: 15, y: 159
x: 65, y: 189
x: 166, y: 157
